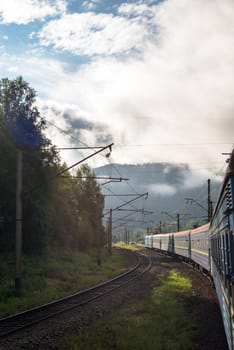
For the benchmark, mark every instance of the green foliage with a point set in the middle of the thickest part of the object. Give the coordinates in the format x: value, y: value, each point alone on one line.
x: 78, y: 206
x: 19, y: 115
x: 21, y: 127
x: 160, y: 322
x: 53, y: 276
x: 57, y: 211
x: 90, y: 204
x: 133, y: 247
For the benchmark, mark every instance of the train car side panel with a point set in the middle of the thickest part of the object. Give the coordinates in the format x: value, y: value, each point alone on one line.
x: 182, y: 243
x: 149, y: 241
x: 222, y: 255
x: 200, y: 246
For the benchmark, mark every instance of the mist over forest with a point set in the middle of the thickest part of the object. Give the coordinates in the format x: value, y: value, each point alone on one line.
x: 167, y: 184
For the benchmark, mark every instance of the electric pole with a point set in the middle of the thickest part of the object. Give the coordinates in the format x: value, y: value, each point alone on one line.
x: 18, y: 237
x: 177, y: 218
x: 98, y: 232
x: 109, y: 239
x: 110, y: 217
x: 209, y: 203
x: 178, y: 222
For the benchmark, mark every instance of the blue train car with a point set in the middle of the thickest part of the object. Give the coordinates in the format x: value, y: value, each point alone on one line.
x: 157, y: 243
x: 211, y: 247
x: 199, y: 246
x: 182, y: 244
x: 164, y: 242
x: 189, y: 244
x: 149, y: 241
x: 222, y: 251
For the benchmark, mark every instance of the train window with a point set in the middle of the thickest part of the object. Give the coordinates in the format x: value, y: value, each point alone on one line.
x: 219, y: 254
x: 228, y: 254
x: 224, y: 260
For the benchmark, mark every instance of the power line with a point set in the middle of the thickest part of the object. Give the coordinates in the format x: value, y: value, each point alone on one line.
x: 115, y: 194
x: 71, y: 136
x: 175, y: 144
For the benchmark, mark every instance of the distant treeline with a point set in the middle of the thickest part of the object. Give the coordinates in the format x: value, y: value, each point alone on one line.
x: 57, y: 211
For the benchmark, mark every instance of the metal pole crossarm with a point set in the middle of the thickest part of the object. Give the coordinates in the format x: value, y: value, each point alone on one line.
x: 72, y: 166
x: 122, y: 205
x: 94, y: 177
x: 148, y: 212
x: 70, y: 148
x: 120, y: 195
x: 134, y: 210
x: 117, y: 179
x: 84, y: 159
x: 193, y: 200
x: 132, y: 200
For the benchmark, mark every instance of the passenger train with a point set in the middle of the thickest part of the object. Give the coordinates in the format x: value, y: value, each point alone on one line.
x: 211, y: 248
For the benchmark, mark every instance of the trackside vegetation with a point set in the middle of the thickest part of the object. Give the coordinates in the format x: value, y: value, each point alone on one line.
x: 53, y: 276
x: 58, y: 209
x: 160, y: 322
x: 133, y: 247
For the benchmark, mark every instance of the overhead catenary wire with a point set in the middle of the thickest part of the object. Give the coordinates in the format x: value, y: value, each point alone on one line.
x: 197, y: 144
x: 82, y: 143
x: 114, y: 166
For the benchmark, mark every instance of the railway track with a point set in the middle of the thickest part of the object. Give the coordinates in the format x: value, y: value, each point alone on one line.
x: 17, y: 322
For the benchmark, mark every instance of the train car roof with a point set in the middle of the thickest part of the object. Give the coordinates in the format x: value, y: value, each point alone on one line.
x: 200, y: 229
x: 196, y: 230
x: 182, y: 233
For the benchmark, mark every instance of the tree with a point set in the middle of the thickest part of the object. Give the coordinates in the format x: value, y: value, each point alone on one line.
x: 20, y: 116
x: 57, y: 210
x: 90, y: 204
x: 22, y: 127
x: 65, y: 218
x: 77, y: 210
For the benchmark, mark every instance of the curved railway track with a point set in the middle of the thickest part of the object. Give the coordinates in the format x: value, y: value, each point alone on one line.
x: 17, y: 322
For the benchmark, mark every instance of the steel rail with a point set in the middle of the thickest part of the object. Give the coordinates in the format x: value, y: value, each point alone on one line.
x: 22, y: 320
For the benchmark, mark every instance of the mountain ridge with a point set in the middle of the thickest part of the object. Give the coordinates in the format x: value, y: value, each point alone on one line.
x: 167, y: 185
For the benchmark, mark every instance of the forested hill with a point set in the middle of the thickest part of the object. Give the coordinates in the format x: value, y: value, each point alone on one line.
x: 167, y: 184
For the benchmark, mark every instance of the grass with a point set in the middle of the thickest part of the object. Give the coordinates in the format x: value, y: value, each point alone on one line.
x: 133, y: 247
x: 53, y: 276
x: 160, y: 322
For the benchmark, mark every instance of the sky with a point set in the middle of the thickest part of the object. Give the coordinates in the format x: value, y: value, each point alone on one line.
x: 153, y: 77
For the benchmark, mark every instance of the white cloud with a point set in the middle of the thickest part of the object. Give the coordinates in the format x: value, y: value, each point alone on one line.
x: 136, y: 9
x: 162, y: 189
x: 178, y: 92
x: 25, y: 11
x: 195, y: 179
x: 93, y: 34
x: 90, y: 4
